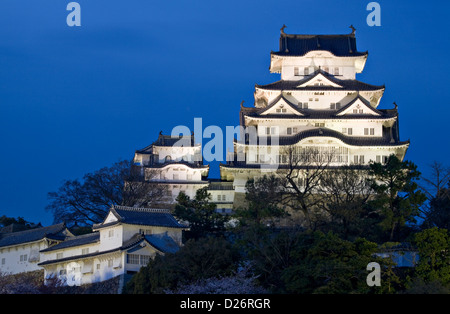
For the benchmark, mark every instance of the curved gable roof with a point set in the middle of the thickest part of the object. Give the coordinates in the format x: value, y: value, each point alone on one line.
x: 14, y: 238
x: 141, y: 216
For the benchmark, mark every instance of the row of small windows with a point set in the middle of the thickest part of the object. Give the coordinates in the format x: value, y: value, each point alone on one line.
x: 22, y: 258
x: 63, y: 271
x: 221, y: 197
x: 334, y: 71
x: 138, y: 259
x: 338, y: 158
x: 293, y: 130
x: 305, y: 105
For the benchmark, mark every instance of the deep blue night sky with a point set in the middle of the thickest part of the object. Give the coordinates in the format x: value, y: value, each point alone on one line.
x: 75, y: 99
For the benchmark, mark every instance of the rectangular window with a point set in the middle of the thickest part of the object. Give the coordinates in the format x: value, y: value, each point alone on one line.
x: 300, y: 105
x: 372, y: 131
x: 332, y: 105
x: 85, y: 251
x: 361, y: 111
x: 378, y: 158
x: 111, y: 233
x: 110, y: 262
x: 176, y: 176
x: 59, y: 255
x: 3, y: 261
x: 361, y: 159
x: 350, y: 131
x: 356, y: 159
x: 289, y: 131
x: 133, y: 259
x: 267, y: 130
x: 344, y: 130
x: 294, y: 130
x: 296, y: 71
x: 219, y: 197
x: 355, y: 110
x: 305, y: 105
x: 319, y: 125
x: 338, y: 105
x: 336, y: 71
x: 366, y: 131
x: 306, y: 71
x: 144, y: 259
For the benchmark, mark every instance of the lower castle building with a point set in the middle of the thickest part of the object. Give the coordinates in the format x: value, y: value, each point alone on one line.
x: 125, y: 241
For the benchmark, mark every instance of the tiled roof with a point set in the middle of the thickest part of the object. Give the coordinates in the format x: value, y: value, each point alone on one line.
x: 168, y: 140
x: 195, y: 164
x: 313, y: 114
x: 299, y: 45
x: 75, y: 241
x: 347, y: 85
x: 325, y: 132
x: 162, y: 242
x: 14, y: 238
x: 142, y: 216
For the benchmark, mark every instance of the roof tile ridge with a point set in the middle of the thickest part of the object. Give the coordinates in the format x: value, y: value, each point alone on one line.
x: 142, y: 209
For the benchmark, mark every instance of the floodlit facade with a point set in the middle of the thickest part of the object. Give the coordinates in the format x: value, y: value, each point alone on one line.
x: 318, y: 111
x: 20, y: 250
x: 125, y: 241
x: 174, y: 161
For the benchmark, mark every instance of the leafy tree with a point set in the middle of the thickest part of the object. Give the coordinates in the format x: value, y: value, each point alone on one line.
x: 6, y: 221
x: 201, y: 215
x: 345, y: 193
x: 329, y: 264
x: 397, y: 193
x: 198, y: 259
x: 438, y: 214
x: 87, y: 201
x: 434, y: 255
x: 240, y: 282
x: 263, y: 196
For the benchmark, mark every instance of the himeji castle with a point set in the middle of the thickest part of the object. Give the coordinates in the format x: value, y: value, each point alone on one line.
x: 318, y: 111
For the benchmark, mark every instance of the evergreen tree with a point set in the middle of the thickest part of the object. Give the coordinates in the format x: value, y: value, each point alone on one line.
x: 200, y: 214
x: 397, y: 195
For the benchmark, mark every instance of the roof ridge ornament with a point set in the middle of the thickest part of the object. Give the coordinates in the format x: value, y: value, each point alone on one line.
x: 353, y: 30
x: 282, y: 29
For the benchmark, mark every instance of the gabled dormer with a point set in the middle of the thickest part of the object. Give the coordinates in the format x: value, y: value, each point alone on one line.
x: 280, y: 106
x: 319, y: 79
x: 358, y: 106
